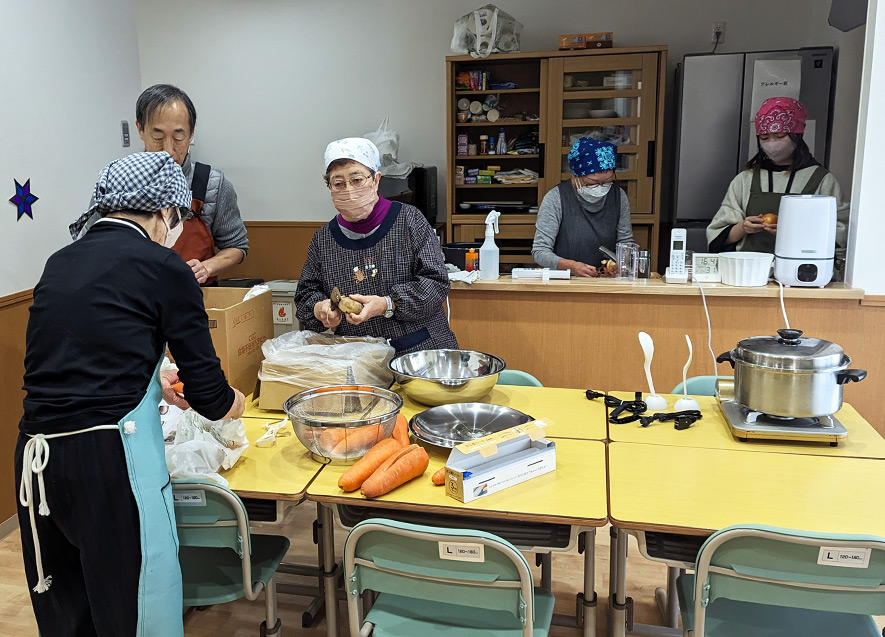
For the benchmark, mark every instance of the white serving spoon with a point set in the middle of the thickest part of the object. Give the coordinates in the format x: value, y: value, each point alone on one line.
x: 654, y: 402
x: 686, y: 402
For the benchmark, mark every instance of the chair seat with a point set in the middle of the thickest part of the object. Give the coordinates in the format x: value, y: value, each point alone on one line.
x: 396, y: 616
x: 215, y: 575
x: 729, y: 618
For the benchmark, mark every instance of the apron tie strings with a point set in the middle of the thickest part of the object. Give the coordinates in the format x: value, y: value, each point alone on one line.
x: 34, y: 462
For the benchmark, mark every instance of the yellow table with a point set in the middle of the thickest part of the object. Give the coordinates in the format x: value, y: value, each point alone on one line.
x: 281, y: 472
x: 574, y: 494
x: 574, y: 416
x: 696, y: 491
x: 712, y: 432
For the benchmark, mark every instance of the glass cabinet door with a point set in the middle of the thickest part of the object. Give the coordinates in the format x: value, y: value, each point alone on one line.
x: 611, y: 98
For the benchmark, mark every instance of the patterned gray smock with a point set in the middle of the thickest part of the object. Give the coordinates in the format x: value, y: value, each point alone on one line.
x: 408, y: 264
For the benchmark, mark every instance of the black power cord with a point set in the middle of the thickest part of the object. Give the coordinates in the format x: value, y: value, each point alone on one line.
x: 716, y: 45
x: 618, y: 406
x: 683, y: 419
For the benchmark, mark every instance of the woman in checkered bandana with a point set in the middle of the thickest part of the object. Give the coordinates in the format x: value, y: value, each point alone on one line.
x: 583, y: 213
x: 380, y: 253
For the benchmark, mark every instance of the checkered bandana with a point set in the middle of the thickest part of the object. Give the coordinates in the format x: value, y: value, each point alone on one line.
x: 141, y: 181
x: 589, y: 155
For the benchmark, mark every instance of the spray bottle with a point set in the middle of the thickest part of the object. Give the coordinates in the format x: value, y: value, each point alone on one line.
x: 489, y: 255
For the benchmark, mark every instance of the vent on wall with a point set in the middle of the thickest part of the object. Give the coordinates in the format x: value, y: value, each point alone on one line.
x: 846, y: 15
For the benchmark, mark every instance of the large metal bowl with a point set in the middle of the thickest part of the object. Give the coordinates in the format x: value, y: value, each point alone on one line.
x: 450, y: 425
x: 446, y: 376
x: 339, y: 424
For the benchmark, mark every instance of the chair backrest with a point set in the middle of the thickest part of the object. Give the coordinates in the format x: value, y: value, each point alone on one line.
x: 795, y: 569
x: 210, y: 515
x: 407, y: 560
x: 699, y: 385
x: 517, y: 377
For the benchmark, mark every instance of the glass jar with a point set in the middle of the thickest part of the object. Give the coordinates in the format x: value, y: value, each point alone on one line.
x: 483, y: 144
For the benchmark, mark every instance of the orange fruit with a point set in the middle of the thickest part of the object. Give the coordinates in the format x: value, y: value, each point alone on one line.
x: 770, y: 218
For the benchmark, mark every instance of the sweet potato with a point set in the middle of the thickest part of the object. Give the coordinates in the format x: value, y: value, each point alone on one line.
x: 396, y: 470
x: 401, y: 430
x: 439, y: 478
x: 353, y: 478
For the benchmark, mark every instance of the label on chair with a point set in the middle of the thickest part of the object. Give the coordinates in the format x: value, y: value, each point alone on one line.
x: 845, y: 557
x: 194, y: 498
x: 461, y: 552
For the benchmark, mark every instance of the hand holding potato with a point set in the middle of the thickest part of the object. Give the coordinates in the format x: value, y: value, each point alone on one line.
x: 326, y: 314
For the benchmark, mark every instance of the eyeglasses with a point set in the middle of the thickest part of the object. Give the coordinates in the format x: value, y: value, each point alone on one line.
x: 357, y: 181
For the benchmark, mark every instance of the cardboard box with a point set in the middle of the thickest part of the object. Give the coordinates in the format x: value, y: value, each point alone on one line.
x: 272, y: 394
x: 238, y: 328
x: 487, y: 465
x: 603, y: 40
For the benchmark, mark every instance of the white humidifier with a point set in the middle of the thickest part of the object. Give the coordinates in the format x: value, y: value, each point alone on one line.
x: 806, y: 240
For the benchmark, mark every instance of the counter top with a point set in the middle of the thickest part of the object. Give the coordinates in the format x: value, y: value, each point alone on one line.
x: 656, y: 286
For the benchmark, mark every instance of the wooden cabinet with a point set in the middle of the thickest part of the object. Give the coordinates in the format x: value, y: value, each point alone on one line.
x: 611, y: 94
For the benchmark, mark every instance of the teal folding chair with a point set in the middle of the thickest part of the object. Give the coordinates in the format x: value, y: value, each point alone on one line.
x: 221, y: 561
x: 700, y: 385
x: 758, y: 580
x: 516, y: 377
x: 419, y: 592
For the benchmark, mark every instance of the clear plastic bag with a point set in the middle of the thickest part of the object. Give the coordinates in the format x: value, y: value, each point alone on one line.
x: 387, y: 141
x: 307, y: 359
x: 485, y: 31
x: 202, y: 447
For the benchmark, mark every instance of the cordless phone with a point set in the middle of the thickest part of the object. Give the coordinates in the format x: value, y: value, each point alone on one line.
x: 676, y: 272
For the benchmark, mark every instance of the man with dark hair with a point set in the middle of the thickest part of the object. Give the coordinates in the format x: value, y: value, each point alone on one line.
x: 214, y: 236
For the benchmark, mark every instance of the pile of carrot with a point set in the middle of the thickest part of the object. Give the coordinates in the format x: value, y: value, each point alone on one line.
x: 389, y: 464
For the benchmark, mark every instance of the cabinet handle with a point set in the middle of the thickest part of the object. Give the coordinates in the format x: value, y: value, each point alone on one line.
x: 541, y: 146
x: 650, y: 160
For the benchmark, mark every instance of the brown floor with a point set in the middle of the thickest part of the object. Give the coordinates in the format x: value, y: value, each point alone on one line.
x: 242, y: 618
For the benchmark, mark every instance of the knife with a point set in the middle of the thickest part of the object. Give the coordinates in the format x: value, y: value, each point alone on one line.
x: 335, y: 297
x: 605, y: 251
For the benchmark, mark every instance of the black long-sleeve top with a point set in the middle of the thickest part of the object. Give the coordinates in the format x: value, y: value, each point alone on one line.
x: 103, y: 312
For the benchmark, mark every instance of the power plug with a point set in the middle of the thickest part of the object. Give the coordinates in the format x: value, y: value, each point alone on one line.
x: 718, y: 29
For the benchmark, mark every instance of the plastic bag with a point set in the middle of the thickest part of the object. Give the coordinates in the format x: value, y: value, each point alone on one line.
x: 485, y: 31
x: 203, y: 447
x: 255, y: 290
x: 387, y: 141
x: 307, y: 359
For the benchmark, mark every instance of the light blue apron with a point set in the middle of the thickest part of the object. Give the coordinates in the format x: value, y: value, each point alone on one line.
x: 159, y: 587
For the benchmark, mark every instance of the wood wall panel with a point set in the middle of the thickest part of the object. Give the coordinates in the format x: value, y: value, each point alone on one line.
x: 13, y: 322
x: 590, y: 340
x: 277, y: 249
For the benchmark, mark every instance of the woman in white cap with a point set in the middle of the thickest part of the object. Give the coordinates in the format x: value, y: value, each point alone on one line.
x: 101, y: 557
x: 380, y: 253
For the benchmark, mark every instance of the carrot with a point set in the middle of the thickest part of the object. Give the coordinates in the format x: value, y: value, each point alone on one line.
x: 356, y: 437
x: 179, y: 387
x: 401, y: 430
x: 396, y: 470
x: 353, y: 478
x: 439, y: 478
x: 329, y: 438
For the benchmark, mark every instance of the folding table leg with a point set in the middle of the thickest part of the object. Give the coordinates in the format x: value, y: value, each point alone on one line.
x: 330, y: 569
x: 618, y: 626
x: 588, y: 599
x: 668, y: 601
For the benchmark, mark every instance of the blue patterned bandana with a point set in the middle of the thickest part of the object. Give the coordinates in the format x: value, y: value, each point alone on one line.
x: 591, y: 156
x: 141, y: 181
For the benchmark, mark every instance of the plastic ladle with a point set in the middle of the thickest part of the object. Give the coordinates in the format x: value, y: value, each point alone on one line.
x: 654, y: 402
x: 686, y: 402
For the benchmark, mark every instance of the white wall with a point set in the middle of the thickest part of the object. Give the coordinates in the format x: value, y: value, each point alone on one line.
x: 867, y: 225
x: 69, y: 74
x: 275, y: 80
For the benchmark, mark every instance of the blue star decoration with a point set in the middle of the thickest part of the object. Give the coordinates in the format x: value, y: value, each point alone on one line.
x: 23, y: 198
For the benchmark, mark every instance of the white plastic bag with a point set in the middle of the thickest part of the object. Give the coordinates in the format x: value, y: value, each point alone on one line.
x: 255, y: 290
x: 203, y: 447
x: 485, y: 31
x: 387, y: 141
x: 307, y: 359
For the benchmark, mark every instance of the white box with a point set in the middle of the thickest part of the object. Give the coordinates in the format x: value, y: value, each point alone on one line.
x: 538, y: 273
x: 490, y: 464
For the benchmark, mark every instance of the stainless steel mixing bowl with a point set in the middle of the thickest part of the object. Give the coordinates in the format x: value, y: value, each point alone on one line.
x: 445, y: 376
x: 450, y: 425
x: 339, y: 424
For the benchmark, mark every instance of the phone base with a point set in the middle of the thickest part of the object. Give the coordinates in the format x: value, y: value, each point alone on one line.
x: 675, y: 278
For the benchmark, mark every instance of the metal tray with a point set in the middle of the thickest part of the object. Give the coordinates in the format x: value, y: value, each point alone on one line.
x: 450, y: 425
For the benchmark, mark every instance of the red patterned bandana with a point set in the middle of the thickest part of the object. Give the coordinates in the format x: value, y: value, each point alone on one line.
x: 781, y: 115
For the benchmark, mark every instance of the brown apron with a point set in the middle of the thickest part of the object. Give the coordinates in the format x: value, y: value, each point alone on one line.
x: 761, y: 203
x: 196, y: 241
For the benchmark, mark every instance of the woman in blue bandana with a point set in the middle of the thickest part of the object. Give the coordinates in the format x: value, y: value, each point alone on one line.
x: 583, y: 213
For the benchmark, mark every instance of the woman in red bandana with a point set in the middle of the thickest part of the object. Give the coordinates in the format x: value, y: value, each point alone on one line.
x: 783, y: 165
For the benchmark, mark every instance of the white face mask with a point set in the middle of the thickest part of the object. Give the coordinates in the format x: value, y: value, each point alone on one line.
x: 172, y: 234
x: 778, y: 150
x: 594, y: 194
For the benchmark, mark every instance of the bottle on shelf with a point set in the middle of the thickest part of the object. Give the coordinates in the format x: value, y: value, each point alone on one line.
x: 470, y: 260
x: 492, y: 145
x: 483, y: 144
x: 502, y: 143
